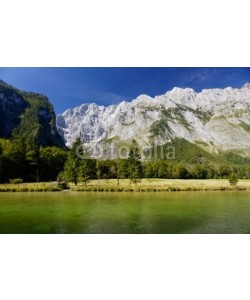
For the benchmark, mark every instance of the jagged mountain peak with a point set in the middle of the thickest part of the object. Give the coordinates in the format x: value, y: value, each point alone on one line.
x: 184, y: 90
x: 246, y: 85
x: 215, y: 119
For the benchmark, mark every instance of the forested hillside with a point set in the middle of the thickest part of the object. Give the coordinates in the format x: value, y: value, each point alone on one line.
x: 27, y: 116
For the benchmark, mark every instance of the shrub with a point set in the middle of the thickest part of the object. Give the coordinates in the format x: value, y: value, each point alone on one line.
x: 16, y: 181
x: 63, y: 185
x: 233, y: 179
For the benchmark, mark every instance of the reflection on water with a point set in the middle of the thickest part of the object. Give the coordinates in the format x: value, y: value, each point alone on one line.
x: 181, y: 212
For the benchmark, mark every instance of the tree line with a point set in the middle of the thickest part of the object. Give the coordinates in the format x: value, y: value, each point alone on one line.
x: 32, y: 163
x: 29, y: 161
x: 79, y: 168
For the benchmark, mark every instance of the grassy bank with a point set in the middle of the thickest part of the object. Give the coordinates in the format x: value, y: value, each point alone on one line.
x: 146, y: 185
x: 30, y: 187
x: 155, y: 185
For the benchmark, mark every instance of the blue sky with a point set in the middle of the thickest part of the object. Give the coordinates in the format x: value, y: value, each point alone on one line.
x: 70, y: 87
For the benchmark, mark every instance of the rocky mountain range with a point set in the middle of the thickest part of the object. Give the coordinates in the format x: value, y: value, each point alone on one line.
x: 214, y: 119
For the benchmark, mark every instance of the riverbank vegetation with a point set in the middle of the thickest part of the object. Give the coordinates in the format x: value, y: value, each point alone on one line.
x: 161, y: 185
x: 145, y: 185
x: 30, y: 187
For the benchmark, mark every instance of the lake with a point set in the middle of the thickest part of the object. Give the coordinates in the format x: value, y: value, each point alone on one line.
x: 159, y: 212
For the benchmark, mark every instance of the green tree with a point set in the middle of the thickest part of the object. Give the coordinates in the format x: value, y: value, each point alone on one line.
x: 114, y: 171
x: 72, y: 168
x: 162, y: 169
x: 200, y: 171
x: 148, y: 170
x: 52, y: 160
x: 118, y: 173
x: 84, y: 171
x: 63, y: 181
x: 247, y: 171
x: 33, y: 159
x: 179, y: 171
x: 13, y: 160
x: 134, y: 163
x: 29, y: 161
x: 222, y: 171
x: 78, y: 167
x: 123, y: 166
x: 98, y: 172
x: 233, y: 179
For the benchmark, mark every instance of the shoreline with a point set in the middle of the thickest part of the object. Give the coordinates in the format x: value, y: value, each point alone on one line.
x: 146, y: 185
x: 126, y: 190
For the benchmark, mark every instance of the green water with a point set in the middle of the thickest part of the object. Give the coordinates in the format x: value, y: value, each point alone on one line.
x: 162, y: 212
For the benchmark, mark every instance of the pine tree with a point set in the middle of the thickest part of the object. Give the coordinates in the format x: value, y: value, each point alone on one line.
x: 134, y: 163
x: 71, y: 170
x: 33, y: 158
x: 73, y: 165
x: 84, y: 171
